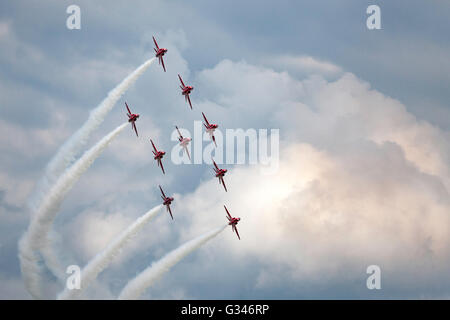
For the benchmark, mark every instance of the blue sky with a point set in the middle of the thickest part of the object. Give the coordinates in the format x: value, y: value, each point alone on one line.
x: 364, y: 126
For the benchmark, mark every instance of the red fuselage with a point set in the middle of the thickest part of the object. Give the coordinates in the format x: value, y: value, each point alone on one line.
x: 234, y: 221
x: 221, y: 172
x: 187, y: 90
x: 211, y: 126
x: 133, y: 117
x: 159, y: 154
x: 167, y: 201
x: 184, y: 141
x: 160, y: 52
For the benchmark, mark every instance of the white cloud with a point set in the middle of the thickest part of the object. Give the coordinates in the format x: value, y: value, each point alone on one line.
x: 370, y: 183
x: 29, y: 143
x: 350, y: 110
x: 16, y: 190
x: 360, y: 178
x: 361, y: 181
x: 303, y: 64
x: 95, y: 229
x: 356, y: 165
x: 324, y: 215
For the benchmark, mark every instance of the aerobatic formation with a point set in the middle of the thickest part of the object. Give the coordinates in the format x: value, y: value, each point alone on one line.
x: 59, y: 181
x: 184, y: 141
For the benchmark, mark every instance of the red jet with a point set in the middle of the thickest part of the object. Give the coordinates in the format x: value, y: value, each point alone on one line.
x: 219, y: 174
x: 210, y: 128
x: 186, y: 91
x: 160, y: 53
x: 184, y: 142
x: 158, y: 155
x: 132, y: 118
x: 166, y: 201
x: 233, y: 222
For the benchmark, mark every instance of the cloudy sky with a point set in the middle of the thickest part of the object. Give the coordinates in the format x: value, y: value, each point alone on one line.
x: 364, y: 155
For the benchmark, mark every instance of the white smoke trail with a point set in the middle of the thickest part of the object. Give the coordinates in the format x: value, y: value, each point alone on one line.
x: 52, y: 260
x: 68, y: 151
x: 36, y: 237
x: 104, y: 258
x: 146, y: 278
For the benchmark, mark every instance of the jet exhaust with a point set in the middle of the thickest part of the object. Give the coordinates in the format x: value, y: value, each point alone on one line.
x: 136, y: 287
x: 101, y: 261
x: 69, y: 150
x: 36, y: 237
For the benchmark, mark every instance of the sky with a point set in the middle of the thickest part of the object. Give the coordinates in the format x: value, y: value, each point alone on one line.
x: 363, y: 170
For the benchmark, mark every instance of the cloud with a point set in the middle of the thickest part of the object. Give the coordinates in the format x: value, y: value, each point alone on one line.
x: 356, y: 165
x: 361, y: 181
x: 16, y: 190
x: 95, y: 230
x: 325, y: 216
x: 304, y: 64
x: 349, y: 109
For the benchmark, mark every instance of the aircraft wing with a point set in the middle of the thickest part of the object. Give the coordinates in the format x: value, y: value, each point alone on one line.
x: 153, y: 145
x: 129, y: 112
x: 170, y: 211
x: 181, y: 80
x: 179, y: 132
x: 162, y: 167
x: 162, y: 191
x: 189, y: 100
x: 237, y: 233
x: 215, y: 165
x: 162, y: 61
x: 229, y: 215
x: 135, y: 129
x: 155, y: 42
x: 206, y: 120
x: 187, y: 151
x: 223, y: 182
